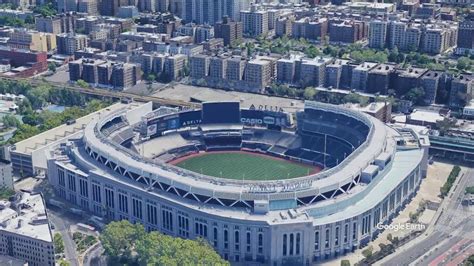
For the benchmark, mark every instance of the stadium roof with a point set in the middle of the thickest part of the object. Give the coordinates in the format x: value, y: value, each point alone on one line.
x: 403, y: 164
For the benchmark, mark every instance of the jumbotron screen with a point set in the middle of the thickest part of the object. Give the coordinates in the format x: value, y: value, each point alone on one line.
x: 220, y: 113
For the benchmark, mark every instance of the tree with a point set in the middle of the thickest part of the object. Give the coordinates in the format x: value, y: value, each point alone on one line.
x: 58, y: 243
x: 38, y: 97
x: 6, y: 193
x: 470, y: 190
x: 158, y: 249
x: 81, y: 83
x: 24, y: 132
x: 52, y: 67
x: 10, y: 121
x: 445, y: 125
x: 151, y: 77
x: 368, y: 252
x: 312, y: 51
x: 464, y: 63
x: 64, y: 263
x: 309, y: 93
x: 345, y: 263
x: 119, y: 237
x: 46, y: 10
x: 416, y: 95
x: 123, y: 239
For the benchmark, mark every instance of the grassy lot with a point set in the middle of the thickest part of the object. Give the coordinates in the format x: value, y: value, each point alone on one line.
x: 235, y: 165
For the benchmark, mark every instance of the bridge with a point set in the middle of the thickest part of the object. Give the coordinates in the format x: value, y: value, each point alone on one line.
x: 107, y: 93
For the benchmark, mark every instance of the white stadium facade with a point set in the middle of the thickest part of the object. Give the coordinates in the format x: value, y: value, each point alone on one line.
x: 118, y: 169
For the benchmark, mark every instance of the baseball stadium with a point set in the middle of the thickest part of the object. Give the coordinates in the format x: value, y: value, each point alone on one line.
x: 261, y: 186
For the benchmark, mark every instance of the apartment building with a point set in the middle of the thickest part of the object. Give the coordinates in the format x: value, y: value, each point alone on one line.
x: 229, y: 30
x: 68, y: 43
x: 32, y: 40
x: 25, y: 233
x: 378, y: 34
x: 254, y: 21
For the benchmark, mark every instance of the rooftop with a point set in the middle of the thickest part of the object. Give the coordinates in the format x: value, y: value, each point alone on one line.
x: 427, y: 116
x: 26, y: 216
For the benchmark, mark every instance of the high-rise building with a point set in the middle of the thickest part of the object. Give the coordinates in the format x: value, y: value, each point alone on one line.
x: 407, y: 79
x: 379, y: 79
x: 396, y: 33
x: 434, y: 41
x: 109, y: 7
x: 32, y: 40
x: 62, y: 23
x: 48, y: 24
x: 165, y: 6
x: 286, y: 68
x: 147, y: 5
x: 203, y: 33
x: 310, y: 29
x: 124, y: 75
x: 199, y: 66
x: 210, y: 11
x: 230, y: 31
x: 258, y: 73
x: 360, y: 75
x: 465, y: 42
x: 430, y: 82
x: 235, y: 68
x: 6, y: 174
x: 334, y: 72
x: 88, y: 6
x: 217, y: 67
x: 347, y: 31
x: 377, y: 34
x: 254, y: 21
x: 174, y: 66
x: 67, y: 6
x: 462, y: 90
x: 283, y: 26
x: 68, y: 43
x: 311, y: 72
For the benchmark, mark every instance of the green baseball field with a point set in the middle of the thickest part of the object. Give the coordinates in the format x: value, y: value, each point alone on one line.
x: 244, y: 165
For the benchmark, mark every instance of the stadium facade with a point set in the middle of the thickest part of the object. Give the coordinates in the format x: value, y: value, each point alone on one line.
x: 119, y: 170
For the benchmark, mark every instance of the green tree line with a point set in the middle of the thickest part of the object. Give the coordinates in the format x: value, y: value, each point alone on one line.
x: 450, y: 181
x: 130, y: 244
x: 35, y: 120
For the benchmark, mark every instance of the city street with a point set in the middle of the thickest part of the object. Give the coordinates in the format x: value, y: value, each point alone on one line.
x: 62, y: 223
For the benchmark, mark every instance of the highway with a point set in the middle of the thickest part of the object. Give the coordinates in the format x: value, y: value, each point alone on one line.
x: 454, y: 224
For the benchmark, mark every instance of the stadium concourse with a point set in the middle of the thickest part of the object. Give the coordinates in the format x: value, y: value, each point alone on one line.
x: 366, y: 172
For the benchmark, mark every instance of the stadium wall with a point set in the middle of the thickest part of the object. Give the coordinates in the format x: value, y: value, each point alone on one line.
x: 281, y: 234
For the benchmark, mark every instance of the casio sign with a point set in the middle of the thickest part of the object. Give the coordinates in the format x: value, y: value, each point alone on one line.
x: 251, y: 120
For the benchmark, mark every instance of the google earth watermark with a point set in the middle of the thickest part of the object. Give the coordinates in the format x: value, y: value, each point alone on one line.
x: 401, y: 226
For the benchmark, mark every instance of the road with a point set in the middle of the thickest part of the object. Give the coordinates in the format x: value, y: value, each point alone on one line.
x: 454, y: 223
x: 94, y: 257
x: 61, y: 224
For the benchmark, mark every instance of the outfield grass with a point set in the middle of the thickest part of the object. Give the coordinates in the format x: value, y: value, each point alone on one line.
x: 248, y: 166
